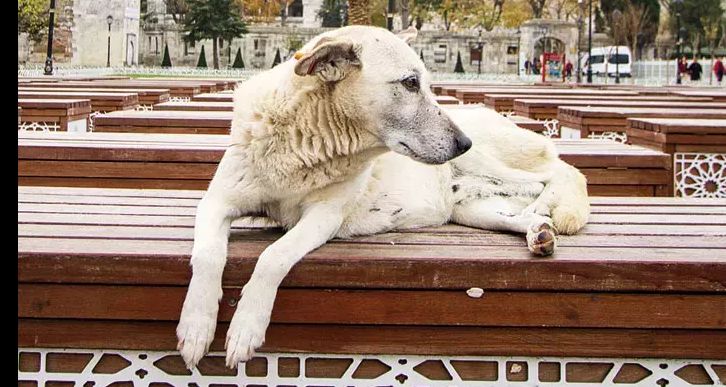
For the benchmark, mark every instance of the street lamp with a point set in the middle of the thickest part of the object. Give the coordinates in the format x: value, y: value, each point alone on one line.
x: 581, y: 4
x: 480, y: 47
x: 589, y: 46
x: 48, y: 69
x: 678, y: 4
x: 617, y: 15
x: 109, y: 20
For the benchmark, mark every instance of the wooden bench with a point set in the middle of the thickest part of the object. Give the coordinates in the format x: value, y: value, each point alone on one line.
x: 479, y: 95
x: 542, y: 109
x: 505, y: 102
x: 100, y: 102
x: 212, y: 97
x: 611, y: 122
x: 698, y: 149
x: 716, y: 94
x: 639, y: 294
x: 189, y: 162
x: 223, y: 84
x: 177, y: 91
x: 194, y: 105
x: 190, y: 122
x: 147, y: 97
x: 68, y: 115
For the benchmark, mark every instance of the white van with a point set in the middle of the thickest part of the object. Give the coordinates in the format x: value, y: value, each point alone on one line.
x: 600, y: 66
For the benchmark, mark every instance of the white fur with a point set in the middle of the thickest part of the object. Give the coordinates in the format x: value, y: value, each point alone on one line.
x: 313, y: 153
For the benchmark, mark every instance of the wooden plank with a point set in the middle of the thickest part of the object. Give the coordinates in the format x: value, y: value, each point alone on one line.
x: 389, y: 307
x: 442, y: 341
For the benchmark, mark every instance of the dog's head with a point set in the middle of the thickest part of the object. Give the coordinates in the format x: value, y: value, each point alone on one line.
x: 380, y: 81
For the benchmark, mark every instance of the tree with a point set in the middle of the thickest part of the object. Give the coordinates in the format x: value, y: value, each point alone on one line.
x: 514, y: 13
x: 166, y: 61
x: 459, y: 68
x: 177, y: 9
x: 277, y: 59
x: 358, y: 12
x: 202, y: 62
x: 640, y: 20
x: 238, y: 62
x: 33, y: 17
x: 564, y: 9
x: 538, y: 7
x: 213, y: 19
x: 331, y: 13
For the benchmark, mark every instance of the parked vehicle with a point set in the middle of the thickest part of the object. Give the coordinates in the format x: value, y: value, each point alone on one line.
x: 620, y: 63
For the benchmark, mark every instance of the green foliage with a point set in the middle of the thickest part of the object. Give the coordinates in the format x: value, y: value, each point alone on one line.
x: 293, y: 43
x: 702, y: 23
x: 202, y: 62
x: 213, y: 19
x: 33, y: 17
x: 166, y: 61
x: 459, y: 68
x: 277, y: 59
x: 652, y: 18
x: 238, y: 62
x: 331, y: 13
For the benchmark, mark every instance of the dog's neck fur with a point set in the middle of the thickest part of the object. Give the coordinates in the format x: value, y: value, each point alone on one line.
x: 297, y: 140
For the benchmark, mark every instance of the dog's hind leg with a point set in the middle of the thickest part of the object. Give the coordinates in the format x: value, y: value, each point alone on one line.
x: 320, y: 222
x: 223, y: 202
x: 498, y: 214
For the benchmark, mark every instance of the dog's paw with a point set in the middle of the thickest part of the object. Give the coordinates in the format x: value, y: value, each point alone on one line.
x: 538, y: 207
x: 195, y: 333
x: 541, y: 239
x: 246, y: 333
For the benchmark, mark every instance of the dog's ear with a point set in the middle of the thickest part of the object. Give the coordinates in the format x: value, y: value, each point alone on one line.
x: 408, y: 35
x: 331, y: 59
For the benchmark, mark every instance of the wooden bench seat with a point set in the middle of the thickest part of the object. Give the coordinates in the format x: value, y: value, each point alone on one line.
x: 604, y: 121
x: 223, y: 84
x: 177, y: 90
x: 542, y: 109
x: 196, y: 105
x: 103, y: 269
x: 478, y: 95
x: 100, y: 102
x: 189, y: 122
x: 716, y: 94
x: 697, y: 146
x: 189, y: 161
x: 54, y: 114
x: 213, y: 97
x: 505, y: 102
x: 147, y: 97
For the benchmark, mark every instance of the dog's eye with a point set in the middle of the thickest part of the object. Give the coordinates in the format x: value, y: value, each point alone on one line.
x: 410, y: 83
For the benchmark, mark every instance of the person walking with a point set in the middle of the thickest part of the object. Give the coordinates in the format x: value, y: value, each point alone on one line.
x: 718, y: 70
x: 527, y: 67
x: 682, y: 68
x: 568, y: 70
x: 695, y: 70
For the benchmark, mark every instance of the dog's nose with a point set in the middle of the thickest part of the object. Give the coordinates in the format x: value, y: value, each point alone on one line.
x: 463, y: 144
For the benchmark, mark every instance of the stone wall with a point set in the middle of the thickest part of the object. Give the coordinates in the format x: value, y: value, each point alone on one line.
x: 91, y: 32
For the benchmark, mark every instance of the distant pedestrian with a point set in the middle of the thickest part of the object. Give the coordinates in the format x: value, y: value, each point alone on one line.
x: 682, y: 67
x: 527, y: 67
x: 568, y: 70
x: 695, y: 70
x: 718, y: 70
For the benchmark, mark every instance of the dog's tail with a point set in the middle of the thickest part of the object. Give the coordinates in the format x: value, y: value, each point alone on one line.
x: 570, y: 207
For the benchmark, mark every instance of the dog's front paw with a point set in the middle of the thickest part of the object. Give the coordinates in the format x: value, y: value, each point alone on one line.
x: 195, y: 333
x: 246, y: 333
x: 541, y: 239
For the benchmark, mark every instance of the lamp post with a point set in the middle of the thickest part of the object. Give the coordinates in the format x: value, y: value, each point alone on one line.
x: 678, y: 4
x: 581, y: 4
x: 109, y: 20
x: 589, y: 46
x: 48, y: 68
x: 617, y: 15
x: 389, y: 18
x: 480, y: 47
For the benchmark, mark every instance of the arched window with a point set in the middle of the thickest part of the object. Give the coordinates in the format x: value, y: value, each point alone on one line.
x: 295, y: 9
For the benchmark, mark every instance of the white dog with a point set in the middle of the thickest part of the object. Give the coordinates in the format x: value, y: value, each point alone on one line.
x: 312, y: 142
